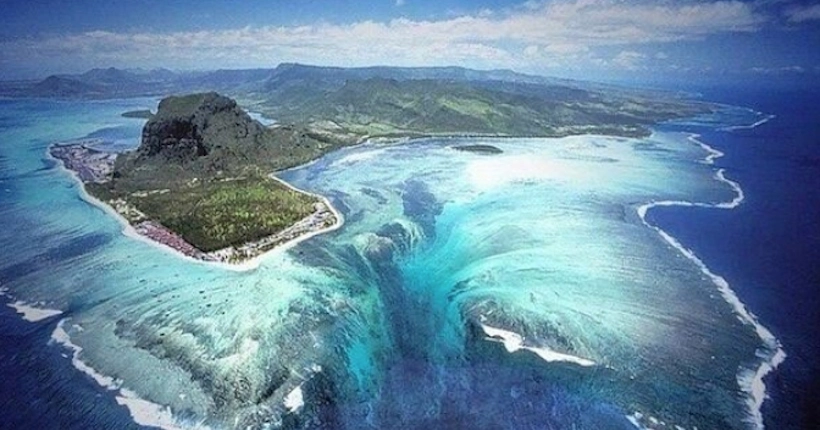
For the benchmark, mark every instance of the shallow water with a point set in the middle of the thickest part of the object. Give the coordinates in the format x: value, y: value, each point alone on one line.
x: 386, y: 321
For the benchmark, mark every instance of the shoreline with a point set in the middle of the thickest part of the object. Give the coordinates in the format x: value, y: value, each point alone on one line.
x: 130, y: 231
x: 750, y: 380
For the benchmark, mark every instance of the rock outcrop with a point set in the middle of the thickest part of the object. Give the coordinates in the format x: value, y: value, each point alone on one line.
x: 188, y: 128
x: 207, y: 136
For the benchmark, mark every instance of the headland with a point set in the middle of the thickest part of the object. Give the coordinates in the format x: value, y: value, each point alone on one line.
x: 185, y: 189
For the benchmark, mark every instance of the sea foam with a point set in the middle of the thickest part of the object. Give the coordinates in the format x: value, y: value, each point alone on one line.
x: 142, y: 411
x: 765, y: 119
x: 514, y: 342
x: 295, y: 400
x: 750, y: 380
x: 33, y: 314
x: 28, y: 312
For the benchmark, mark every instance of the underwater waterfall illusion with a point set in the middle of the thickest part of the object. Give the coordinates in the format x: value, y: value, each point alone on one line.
x: 527, y: 289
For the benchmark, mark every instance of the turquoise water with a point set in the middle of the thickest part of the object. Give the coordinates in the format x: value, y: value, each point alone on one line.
x: 386, y: 322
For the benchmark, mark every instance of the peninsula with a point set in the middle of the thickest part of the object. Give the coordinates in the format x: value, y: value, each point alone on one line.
x: 201, y: 180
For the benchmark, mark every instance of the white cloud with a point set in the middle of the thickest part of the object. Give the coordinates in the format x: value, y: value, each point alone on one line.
x: 399, y: 2
x: 799, y: 14
x: 565, y: 48
x: 629, y: 60
x: 559, y: 30
x: 532, y: 50
x: 778, y: 70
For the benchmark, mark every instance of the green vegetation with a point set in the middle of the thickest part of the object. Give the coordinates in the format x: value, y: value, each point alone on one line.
x: 386, y: 107
x: 214, y: 215
x: 342, y: 105
x: 202, y: 170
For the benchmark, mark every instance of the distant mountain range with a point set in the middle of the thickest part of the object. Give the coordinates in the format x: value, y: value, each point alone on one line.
x: 113, y: 82
x: 393, y: 101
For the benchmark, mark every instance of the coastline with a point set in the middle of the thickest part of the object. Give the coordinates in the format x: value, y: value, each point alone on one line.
x: 131, y: 232
x: 750, y: 380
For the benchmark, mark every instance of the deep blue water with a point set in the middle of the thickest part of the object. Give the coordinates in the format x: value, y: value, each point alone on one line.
x: 769, y: 247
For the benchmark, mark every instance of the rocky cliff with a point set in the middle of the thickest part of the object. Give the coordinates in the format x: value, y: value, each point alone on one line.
x: 208, y: 136
x: 190, y: 127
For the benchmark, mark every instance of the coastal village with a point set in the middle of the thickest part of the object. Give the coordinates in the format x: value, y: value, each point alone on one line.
x: 80, y: 157
x: 92, y: 165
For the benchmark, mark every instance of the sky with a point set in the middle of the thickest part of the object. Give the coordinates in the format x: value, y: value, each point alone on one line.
x: 581, y: 39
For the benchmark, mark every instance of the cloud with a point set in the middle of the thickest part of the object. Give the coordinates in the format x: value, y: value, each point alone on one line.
x: 785, y: 70
x: 608, y: 22
x: 799, y: 14
x: 629, y: 60
x: 563, y: 29
x: 565, y: 48
x: 400, y: 2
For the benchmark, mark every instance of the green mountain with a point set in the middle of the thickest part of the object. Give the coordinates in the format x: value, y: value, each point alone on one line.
x: 208, y: 136
x: 377, y: 106
x: 350, y: 102
x: 202, y: 170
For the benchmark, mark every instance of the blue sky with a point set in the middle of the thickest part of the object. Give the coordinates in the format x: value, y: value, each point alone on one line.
x: 587, y: 39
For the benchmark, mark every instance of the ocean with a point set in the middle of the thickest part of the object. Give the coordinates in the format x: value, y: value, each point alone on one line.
x: 529, y: 289
x: 769, y: 247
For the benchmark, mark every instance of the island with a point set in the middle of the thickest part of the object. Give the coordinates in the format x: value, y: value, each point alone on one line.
x: 201, y: 181
x: 139, y: 113
x: 479, y: 149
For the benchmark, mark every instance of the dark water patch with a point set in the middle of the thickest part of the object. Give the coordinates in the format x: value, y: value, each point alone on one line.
x: 13, y: 121
x: 48, y: 163
x: 403, y: 319
x: 337, y: 199
x: 478, y: 149
x: 342, y: 261
x: 73, y: 248
x: 375, y: 195
x: 649, y: 146
x: 48, y: 166
x: 808, y: 161
x: 399, y: 237
x: 524, y: 391
x: 321, y: 254
x: 489, y: 388
x: 116, y: 133
x: 42, y: 387
x: 421, y: 206
x: 355, y: 217
x: 321, y: 410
